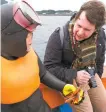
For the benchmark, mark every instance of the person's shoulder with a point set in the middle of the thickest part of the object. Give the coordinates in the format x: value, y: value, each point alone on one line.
x: 55, y: 33
x: 101, y: 36
x: 102, y: 32
x: 57, y: 29
x: 104, y: 28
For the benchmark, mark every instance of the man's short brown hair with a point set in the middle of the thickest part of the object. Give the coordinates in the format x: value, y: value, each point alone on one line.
x: 95, y: 12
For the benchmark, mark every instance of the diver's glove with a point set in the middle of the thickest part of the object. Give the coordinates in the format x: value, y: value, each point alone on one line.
x: 72, y: 94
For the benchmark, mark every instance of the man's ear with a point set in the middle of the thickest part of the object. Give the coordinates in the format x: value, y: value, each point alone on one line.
x: 96, y: 31
x: 30, y: 34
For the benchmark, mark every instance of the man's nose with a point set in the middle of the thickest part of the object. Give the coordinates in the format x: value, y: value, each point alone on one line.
x: 81, y: 32
x: 30, y: 42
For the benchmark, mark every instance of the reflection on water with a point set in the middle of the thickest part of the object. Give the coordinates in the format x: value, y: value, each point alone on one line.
x: 42, y: 33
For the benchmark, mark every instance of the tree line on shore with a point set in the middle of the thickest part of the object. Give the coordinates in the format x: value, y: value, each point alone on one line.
x: 57, y: 12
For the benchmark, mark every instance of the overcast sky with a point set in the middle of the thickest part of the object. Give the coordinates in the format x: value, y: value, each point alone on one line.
x: 73, y: 5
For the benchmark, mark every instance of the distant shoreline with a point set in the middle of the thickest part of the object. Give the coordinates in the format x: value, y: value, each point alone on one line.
x: 53, y: 15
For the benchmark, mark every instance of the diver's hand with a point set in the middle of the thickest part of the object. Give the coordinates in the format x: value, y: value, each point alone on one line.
x: 73, y: 95
x: 82, y: 77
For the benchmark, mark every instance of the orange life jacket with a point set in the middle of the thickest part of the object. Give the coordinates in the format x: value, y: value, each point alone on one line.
x: 19, y: 78
x: 52, y: 97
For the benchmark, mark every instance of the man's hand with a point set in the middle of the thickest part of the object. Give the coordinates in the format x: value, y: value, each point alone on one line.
x: 82, y: 77
x: 73, y: 95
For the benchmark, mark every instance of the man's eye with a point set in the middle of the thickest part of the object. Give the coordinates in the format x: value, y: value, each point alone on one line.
x: 79, y: 26
x: 87, y: 29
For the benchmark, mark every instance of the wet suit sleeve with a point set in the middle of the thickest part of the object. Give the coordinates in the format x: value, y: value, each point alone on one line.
x: 48, y: 79
x: 53, y: 60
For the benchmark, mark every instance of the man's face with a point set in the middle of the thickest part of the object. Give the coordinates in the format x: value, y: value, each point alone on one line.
x: 83, y: 29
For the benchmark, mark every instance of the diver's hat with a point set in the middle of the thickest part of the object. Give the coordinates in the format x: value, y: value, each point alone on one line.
x: 25, y: 15
x: 17, y: 20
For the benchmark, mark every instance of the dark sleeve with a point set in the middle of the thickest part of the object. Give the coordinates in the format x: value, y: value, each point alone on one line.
x: 53, y: 59
x: 48, y: 79
x: 100, y: 53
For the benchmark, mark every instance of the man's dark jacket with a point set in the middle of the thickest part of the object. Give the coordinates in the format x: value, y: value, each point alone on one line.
x: 58, y: 58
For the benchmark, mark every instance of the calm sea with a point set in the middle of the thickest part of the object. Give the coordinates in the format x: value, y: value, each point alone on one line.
x: 42, y: 33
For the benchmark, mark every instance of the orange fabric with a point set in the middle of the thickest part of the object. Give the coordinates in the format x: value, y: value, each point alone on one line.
x: 20, y: 78
x: 104, y: 82
x: 104, y: 76
x: 104, y: 72
x: 51, y: 96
